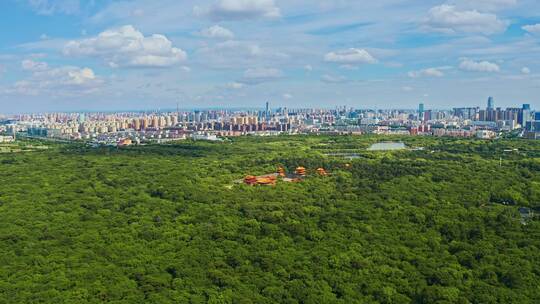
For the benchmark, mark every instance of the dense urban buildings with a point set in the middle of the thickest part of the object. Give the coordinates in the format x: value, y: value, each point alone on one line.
x: 126, y: 128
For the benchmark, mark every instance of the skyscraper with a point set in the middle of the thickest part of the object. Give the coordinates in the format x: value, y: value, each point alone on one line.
x: 421, y: 111
x: 525, y: 115
x: 491, y: 103
x: 535, y: 124
x: 267, y: 111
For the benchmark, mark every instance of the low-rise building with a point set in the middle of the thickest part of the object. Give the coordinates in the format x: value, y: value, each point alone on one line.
x: 6, y: 139
x: 485, y: 134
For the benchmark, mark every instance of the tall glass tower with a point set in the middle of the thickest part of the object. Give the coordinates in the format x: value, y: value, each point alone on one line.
x: 421, y: 111
x: 267, y: 111
x: 525, y: 115
x: 491, y: 103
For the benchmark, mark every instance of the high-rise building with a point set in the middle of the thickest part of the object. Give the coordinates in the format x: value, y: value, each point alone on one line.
x: 535, y: 124
x: 162, y: 122
x: 525, y: 115
x: 267, y: 111
x: 491, y: 103
x: 137, y: 124
x: 466, y: 113
x: 155, y: 122
x: 428, y: 115
x: 421, y: 111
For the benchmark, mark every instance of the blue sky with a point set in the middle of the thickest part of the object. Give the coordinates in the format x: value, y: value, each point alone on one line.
x: 149, y: 54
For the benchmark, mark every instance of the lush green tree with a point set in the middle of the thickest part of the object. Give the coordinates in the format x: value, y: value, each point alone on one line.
x: 168, y: 223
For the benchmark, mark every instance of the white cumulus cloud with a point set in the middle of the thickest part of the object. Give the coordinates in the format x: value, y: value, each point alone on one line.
x: 127, y: 47
x: 407, y: 89
x: 217, y: 32
x: 235, y: 85
x: 64, y: 80
x: 487, y: 5
x: 232, y: 54
x: 333, y: 79
x: 525, y: 70
x: 50, y: 7
x: 450, y: 20
x: 429, y: 72
x: 243, y: 9
x: 30, y: 65
x: 350, y: 57
x: 533, y: 28
x: 479, y: 66
x: 260, y: 75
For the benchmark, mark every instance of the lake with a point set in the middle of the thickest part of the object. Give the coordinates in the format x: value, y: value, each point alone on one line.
x: 387, y: 146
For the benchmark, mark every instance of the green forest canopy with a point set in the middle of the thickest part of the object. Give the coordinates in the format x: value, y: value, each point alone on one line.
x: 166, y: 224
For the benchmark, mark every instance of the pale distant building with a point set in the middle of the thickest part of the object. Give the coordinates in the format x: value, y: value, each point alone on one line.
x: 485, y: 134
x: 210, y: 137
x: 6, y: 139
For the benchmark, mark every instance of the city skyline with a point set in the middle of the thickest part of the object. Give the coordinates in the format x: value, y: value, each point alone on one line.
x: 421, y: 107
x: 71, y: 55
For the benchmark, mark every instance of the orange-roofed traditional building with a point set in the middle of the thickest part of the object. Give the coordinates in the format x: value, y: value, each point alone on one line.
x: 300, y: 171
x: 125, y: 142
x: 322, y: 172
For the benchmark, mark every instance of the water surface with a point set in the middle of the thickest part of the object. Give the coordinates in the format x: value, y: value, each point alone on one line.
x: 387, y: 146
